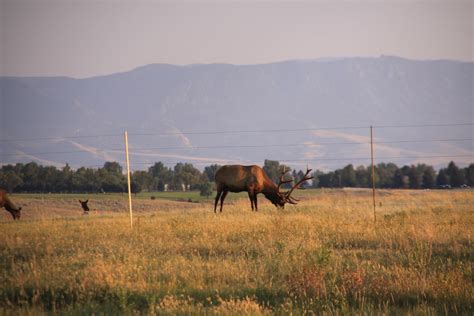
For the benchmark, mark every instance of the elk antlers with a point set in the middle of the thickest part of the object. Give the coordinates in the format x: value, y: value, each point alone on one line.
x: 281, y: 179
x: 287, y: 195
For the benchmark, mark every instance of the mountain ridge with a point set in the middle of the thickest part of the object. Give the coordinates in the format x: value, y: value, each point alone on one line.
x: 159, y: 98
x: 307, y: 60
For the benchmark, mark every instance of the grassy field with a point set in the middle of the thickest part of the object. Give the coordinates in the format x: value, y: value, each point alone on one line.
x: 324, y: 255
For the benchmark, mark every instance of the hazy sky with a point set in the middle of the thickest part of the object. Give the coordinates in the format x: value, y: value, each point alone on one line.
x: 87, y: 38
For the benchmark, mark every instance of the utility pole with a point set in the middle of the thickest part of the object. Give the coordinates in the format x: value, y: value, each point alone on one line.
x: 128, y: 180
x: 373, y: 169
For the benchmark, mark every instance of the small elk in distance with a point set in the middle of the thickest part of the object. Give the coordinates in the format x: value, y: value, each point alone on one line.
x: 254, y: 180
x: 9, y: 205
x: 84, y: 206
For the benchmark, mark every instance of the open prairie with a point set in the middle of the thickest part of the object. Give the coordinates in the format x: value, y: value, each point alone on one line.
x: 325, y: 255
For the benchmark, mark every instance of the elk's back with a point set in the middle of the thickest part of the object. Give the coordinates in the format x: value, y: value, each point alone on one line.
x: 237, y: 178
x: 5, y: 200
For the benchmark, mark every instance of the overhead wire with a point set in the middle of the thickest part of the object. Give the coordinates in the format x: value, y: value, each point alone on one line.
x: 236, y: 131
x: 237, y: 146
x: 310, y: 144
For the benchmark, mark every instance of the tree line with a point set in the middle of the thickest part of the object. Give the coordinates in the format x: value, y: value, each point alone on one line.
x: 389, y: 175
x: 31, y: 177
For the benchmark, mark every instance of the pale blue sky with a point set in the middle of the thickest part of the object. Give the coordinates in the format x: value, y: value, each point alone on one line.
x: 88, y: 38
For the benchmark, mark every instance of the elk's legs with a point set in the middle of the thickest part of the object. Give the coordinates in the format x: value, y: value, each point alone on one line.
x: 255, y: 201
x: 219, y: 192
x: 251, y: 199
x: 224, y: 194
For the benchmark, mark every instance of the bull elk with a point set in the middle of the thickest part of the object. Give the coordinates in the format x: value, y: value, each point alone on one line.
x: 254, y: 180
x: 9, y: 205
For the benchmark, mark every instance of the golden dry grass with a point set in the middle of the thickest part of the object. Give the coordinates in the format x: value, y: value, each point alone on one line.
x: 325, y: 255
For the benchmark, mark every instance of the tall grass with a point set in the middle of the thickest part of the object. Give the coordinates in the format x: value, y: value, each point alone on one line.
x: 325, y: 255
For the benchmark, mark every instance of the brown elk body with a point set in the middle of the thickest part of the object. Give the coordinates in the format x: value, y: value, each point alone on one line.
x: 9, y: 205
x: 253, y: 180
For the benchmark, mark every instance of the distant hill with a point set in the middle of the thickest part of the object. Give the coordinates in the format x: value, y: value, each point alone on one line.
x: 167, y: 99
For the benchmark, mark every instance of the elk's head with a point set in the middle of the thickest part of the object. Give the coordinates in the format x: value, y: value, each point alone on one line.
x: 277, y: 198
x: 281, y: 198
x: 16, y: 212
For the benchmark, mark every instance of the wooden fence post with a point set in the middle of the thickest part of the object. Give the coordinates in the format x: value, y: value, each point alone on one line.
x: 128, y: 180
x: 373, y: 170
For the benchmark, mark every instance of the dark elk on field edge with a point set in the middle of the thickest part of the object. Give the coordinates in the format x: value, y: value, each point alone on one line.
x: 84, y: 206
x: 254, y: 180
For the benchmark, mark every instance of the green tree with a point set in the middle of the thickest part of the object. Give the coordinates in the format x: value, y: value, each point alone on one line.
x: 429, y: 178
x: 442, y: 178
x: 469, y: 172
x: 160, y: 186
x: 111, y: 177
x: 135, y: 186
x: 456, y: 175
x: 402, y: 178
x: 112, y: 167
x: 274, y: 169
x: 375, y: 178
x: 297, y: 176
x: 160, y: 175
x: 328, y: 180
x: 348, y: 176
x: 142, y: 178
x: 210, y: 172
x: 30, y: 174
x: 336, y: 181
x: 65, y: 181
x: 51, y: 179
x: 386, y: 174
x: 315, y: 182
x: 185, y: 174
x: 416, y: 177
x: 86, y: 180
x: 205, y: 188
x: 362, y: 175
x: 10, y: 180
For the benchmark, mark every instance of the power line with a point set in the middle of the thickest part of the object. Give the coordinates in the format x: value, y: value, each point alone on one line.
x: 305, y: 144
x: 120, y: 150
x: 62, y: 152
x: 298, y: 130
x: 57, y: 138
x: 236, y: 131
x: 379, y: 158
x: 425, y: 141
x: 249, y: 146
x: 315, y: 160
x: 250, y: 131
x: 424, y: 125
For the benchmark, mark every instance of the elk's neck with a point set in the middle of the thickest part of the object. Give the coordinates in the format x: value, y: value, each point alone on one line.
x: 270, y: 186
